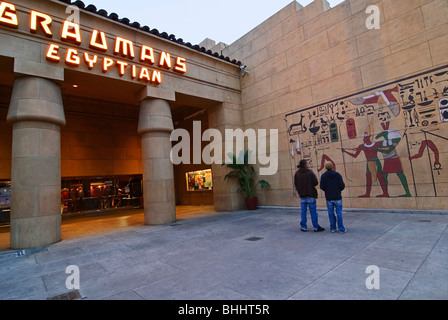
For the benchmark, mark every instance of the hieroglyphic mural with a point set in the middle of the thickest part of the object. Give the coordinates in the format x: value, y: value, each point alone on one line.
x: 397, y: 132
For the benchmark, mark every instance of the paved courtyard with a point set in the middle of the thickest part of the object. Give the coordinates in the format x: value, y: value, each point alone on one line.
x: 209, y: 257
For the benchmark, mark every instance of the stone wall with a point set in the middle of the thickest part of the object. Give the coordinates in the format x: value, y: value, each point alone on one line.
x: 326, y: 81
x: 94, y: 143
x: 5, y: 134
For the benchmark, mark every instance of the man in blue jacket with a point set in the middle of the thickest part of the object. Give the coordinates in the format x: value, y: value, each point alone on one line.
x: 332, y: 184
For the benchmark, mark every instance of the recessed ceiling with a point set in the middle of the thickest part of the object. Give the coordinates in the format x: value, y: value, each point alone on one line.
x: 96, y: 87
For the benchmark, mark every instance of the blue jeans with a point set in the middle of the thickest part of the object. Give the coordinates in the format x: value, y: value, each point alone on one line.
x: 331, y: 206
x: 304, y: 203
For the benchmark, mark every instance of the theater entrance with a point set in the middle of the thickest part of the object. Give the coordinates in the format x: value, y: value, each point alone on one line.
x: 193, y: 181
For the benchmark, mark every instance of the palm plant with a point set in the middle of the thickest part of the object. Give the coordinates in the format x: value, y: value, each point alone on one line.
x: 244, y: 173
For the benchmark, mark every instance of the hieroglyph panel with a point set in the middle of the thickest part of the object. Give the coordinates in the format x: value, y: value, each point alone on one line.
x: 388, y: 141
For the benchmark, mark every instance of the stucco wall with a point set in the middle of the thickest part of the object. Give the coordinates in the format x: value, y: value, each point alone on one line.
x: 310, y: 67
x: 100, y: 144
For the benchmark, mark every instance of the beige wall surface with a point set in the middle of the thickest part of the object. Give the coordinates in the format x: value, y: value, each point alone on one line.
x: 99, y: 144
x: 324, y: 80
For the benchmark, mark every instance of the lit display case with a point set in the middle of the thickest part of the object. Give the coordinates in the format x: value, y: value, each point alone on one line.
x: 5, y: 200
x: 200, y: 180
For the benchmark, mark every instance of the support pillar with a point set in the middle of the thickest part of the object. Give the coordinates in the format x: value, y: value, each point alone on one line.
x: 155, y: 126
x: 226, y: 116
x: 37, y: 113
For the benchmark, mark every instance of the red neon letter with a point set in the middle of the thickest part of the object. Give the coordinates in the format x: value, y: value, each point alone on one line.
x: 134, y: 71
x: 181, y: 66
x: 144, y: 74
x: 94, y: 44
x: 74, y: 35
x: 125, y: 47
x: 165, y: 60
x: 52, y: 53
x: 123, y: 66
x: 90, y: 61
x: 147, y: 54
x: 107, y: 63
x: 8, y: 18
x: 44, y: 21
x: 156, y: 77
x: 72, y: 58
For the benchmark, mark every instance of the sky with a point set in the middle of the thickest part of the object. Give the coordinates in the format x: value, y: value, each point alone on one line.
x: 194, y: 20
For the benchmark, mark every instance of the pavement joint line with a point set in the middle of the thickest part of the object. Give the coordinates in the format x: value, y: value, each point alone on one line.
x: 41, y: 277
x: 242, y: 293
x: 17, y: 253
x: 423, y: 262
x: 364, y: 210
x: 346, y: 260
x: 133, y: 290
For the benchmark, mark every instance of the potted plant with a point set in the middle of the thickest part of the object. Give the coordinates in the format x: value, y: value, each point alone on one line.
x: 245, y: 175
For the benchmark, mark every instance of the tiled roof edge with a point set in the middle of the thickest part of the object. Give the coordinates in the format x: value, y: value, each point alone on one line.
x: 113, y: 16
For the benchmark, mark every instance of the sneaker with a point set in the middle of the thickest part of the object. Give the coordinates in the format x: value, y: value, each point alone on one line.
x: 303, y: 230
x: 333, y: 231
x: 345, y: 231
x: 320, y: 229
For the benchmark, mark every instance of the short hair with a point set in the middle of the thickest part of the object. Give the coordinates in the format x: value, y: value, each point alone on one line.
x: 329, y: 166
x: 302, y: 164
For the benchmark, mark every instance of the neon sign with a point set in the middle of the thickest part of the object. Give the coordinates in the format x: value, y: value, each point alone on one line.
x: 123, y: 48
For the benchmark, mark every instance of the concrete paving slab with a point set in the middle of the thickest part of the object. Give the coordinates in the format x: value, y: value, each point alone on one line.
x: 259, y: 281
x: 308, y: 264
x: 24, y: 288
x: 12, y: 264
x: 221, y: 292
x: 195, y: 257
x: 58, y: 253
x: 125, y: 295
x: 390, y: 258
x: 55, y: 281
x: 210, y: 258
x: 347, y: 281
x: 430, y: 281
x: 187, y: 285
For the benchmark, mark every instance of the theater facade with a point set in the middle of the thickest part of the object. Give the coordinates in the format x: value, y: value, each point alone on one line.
x: 89, y: 101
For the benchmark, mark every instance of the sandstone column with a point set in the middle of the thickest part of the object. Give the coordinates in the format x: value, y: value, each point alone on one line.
x: 37, y: 114
x: 155, y: 126
x: 226, y: 116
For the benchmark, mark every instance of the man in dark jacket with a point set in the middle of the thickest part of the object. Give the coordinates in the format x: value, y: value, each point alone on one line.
x: 305, y: 182
x: 332, y: 183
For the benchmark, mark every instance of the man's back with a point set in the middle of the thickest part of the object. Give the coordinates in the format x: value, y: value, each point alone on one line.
x: 305, y: 182
x: 332, y: 183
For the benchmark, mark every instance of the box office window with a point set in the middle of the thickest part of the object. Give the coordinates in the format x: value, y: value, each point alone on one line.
x: 199, y: 180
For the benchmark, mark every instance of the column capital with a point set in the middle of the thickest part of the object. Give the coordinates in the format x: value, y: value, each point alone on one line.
x: 156, y: 93
x: 36, y: 99
x: 41, y: 70
x: 155, y: 116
